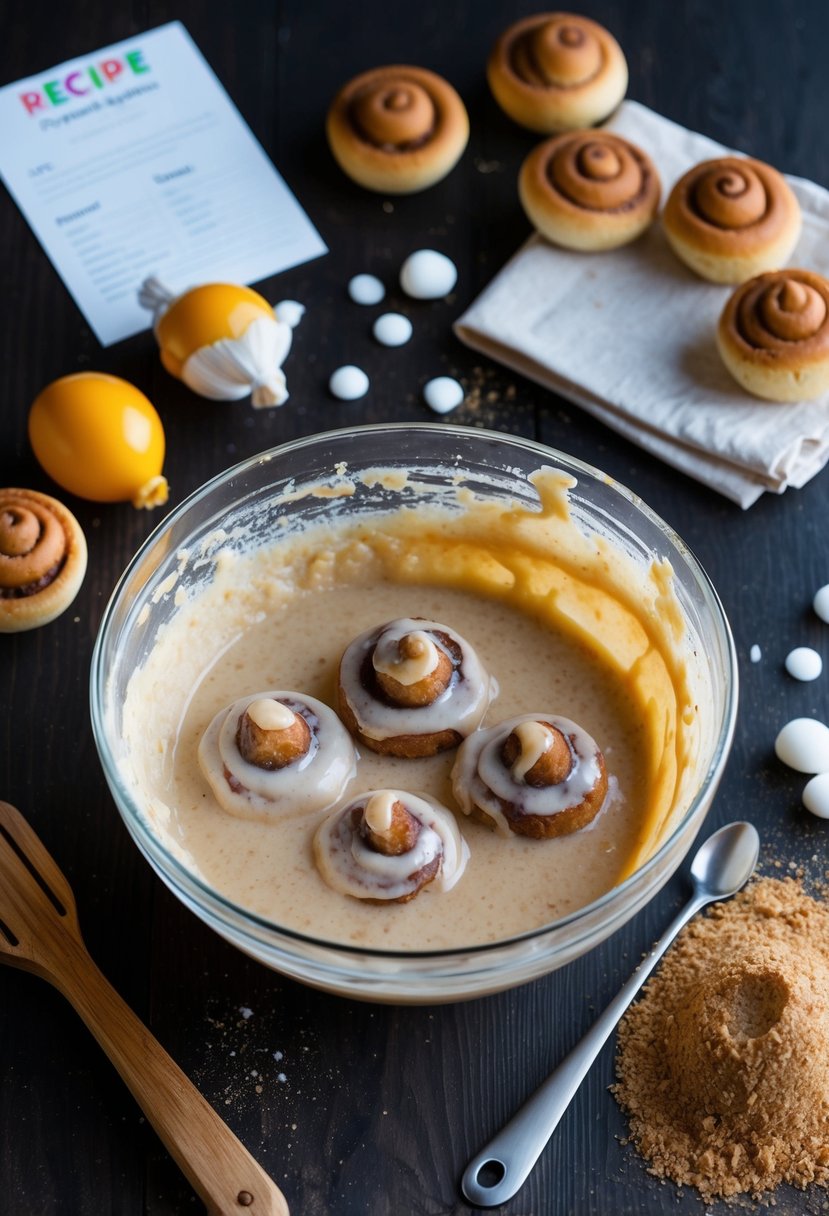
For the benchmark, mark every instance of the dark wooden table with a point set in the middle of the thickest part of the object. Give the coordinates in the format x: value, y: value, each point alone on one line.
x: 358, y: 1109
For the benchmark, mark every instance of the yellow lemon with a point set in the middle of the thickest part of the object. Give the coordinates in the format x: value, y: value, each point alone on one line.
x: 99, y: 437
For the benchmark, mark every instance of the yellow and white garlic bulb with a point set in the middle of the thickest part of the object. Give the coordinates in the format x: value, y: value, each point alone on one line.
x: 224, y: 341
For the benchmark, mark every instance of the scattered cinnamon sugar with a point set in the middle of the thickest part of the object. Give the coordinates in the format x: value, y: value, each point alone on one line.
x: 723, y: 1064
x: 486, y: 396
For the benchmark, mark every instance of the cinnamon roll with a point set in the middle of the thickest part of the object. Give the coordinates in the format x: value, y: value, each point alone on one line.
x: 387, y: 845
x: 412, y: 688
x: 397, y: 129
x: 275, y: 754
x: 589, y: 190
x: 557, y: 72
x: 773, y: 335
x: 732, y: 218
x: 42, y: 559
x: 536, y: 775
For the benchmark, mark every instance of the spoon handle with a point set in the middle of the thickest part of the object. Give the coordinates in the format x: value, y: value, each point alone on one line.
x: 218, y: 1166
x: 508, y: 1158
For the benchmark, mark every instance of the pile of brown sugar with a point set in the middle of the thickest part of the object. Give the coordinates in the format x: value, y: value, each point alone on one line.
x: 723, y: 1065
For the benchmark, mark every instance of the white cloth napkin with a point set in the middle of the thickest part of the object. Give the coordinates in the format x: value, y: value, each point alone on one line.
x: 629, y: 336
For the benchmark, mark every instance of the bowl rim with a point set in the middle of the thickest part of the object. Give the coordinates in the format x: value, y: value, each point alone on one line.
x: 178, y: 872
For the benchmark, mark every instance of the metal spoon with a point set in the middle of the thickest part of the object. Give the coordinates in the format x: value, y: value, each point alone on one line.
x: 722, y: 865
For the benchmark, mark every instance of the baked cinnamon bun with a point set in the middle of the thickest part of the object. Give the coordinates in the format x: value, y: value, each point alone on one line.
x: 387, y: 845
x: 589, y: 190
x: 412, y: 688
x: 773, y: 335
x: 397, y: 129
x: 557, y: 72
x: 732, y: 218
x: 275, y: 754
x: 42, y: 559
x: 536, y: 775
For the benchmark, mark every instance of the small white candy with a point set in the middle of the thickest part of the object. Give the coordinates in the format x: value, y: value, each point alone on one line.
x: 392, y: 329
x: 803, y: 744
x: 755, y: 654
x: 348, y: 383
x: 366, y: 289
x: 821, y: 603
x: 443, y: 394
x: 804, y: 663
x: 428, y: 275
x: 816, y: 796
x: 289, y: 311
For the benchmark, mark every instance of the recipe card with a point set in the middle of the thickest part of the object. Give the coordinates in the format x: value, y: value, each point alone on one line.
x: 133, y: 161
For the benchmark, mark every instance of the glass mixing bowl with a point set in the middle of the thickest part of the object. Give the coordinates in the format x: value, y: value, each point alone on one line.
x: 249, y: 499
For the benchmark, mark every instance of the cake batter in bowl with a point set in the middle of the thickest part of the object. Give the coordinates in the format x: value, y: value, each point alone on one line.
x: 581, y: 606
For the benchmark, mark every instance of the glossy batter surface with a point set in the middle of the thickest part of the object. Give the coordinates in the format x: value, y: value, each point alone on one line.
x: 282, y: 620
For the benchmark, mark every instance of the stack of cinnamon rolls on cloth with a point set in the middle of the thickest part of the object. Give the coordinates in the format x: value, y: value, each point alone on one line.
x: 732, y: 220
x: 407, y: 689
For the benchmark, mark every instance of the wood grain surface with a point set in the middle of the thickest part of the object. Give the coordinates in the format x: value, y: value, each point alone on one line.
x: 355, y: 1109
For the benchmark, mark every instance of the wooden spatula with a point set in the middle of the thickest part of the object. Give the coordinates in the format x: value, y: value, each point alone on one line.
x: 39, y: 932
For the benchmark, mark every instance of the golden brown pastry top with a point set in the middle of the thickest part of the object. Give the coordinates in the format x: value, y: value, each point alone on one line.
x: 730, y: 206
x: 554, y: 63
x: 560, y: 50
x: 398, y: 109
x: 594, y: 171
x: 780, y: 318
x: 42, y: 558
x: 271, y: 735
x: 33, y: 543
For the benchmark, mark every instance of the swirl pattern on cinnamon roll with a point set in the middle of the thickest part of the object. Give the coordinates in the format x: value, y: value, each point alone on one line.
x: 732, y: 218
x: 387, y: 845
x: 589, y: 190
x: 42, y: 559
x: 276, y: 754
x: 557, y: 72
x: 412, y: 688
x: 397, y: 129
x: 773, y: 335
x: 537, y: 775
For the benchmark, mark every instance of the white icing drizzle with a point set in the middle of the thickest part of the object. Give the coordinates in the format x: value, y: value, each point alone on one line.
x: 348, y: 864
x: 313, y: 782
x: 269, y: 714
x: 460, y: 707
x: 480, y: 777
x: 534, y: 740
x: 378, y: 811
x: 420, y: 664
